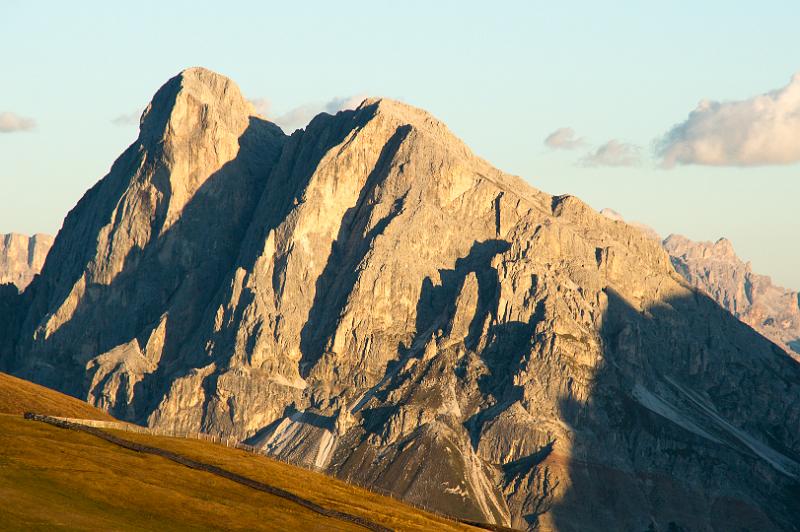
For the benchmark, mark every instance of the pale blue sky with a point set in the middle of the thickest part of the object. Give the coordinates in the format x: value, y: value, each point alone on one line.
x: 502, y: 77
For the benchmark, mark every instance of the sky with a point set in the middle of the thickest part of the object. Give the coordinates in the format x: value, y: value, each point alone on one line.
x: 681, y: 115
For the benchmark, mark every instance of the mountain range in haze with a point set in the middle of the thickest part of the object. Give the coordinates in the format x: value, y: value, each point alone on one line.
x: 367, y: 297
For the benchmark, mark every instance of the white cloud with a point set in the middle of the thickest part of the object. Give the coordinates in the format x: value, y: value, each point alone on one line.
x: 342, y: 104
x: 262, y: 106
x: 613, y: 153
x: 300, y: 116
x: 761, y: 130
x: 563, y: 139
x: 11, y: 123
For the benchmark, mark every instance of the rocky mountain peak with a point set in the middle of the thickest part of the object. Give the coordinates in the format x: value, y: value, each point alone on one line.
x: 724, y: 248
x: 718, y: 271
x: 368, y: 297
x: 194, y: 100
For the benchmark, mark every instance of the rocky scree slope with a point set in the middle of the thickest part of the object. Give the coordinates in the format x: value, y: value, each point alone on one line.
x: 367, y: 297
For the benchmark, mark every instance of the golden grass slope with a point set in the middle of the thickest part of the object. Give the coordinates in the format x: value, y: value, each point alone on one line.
x: 52, y: 478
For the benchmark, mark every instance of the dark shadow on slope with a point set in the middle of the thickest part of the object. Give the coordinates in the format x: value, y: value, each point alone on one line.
x: 437, y: 303
x: 10, y: 310
x: 648, y: 456
x: 508, y: 343
x: 505, y: 346
x: 526, y: 463
x: 435, y: 309
x: 350, y: 247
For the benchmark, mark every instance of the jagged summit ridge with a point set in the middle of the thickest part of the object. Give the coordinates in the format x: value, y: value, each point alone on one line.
x: 369, y: 297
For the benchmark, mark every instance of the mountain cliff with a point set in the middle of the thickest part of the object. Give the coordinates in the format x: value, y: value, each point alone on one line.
x: 714, y: 268
x: 22, y: 257
x: 368, y: 297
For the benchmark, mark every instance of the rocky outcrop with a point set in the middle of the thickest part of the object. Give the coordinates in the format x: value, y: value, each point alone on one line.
x: 368, y: 297
x: 714, y: 268
x: 22, y: 257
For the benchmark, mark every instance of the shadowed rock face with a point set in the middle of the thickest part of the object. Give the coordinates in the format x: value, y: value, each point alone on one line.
x: 714, y: 268
x: 368, y: 297
x: 22, y: 257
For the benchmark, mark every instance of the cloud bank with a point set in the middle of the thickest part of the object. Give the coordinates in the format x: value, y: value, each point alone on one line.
x: 762, y: 130
x: 563, y: 139
x: 262, y: 106
x: 12, y: 122
x: 614, y: 153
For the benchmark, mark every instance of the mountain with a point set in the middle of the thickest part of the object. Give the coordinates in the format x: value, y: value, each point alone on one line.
x: 21, y: 257
x: 646, y: 229
x: 715, y: 269
x: 368, y: 297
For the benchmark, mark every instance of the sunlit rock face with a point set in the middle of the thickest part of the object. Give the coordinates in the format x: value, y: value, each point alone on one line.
x: 22, y: 257
x: 368, y: 297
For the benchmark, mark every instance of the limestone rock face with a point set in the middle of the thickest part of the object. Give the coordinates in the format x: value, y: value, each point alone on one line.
x: 714, y: 268
x: 22, y: 257
x: 368, y: 297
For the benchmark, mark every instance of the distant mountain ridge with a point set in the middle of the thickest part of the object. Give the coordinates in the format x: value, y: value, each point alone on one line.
x: 368, y: 297
x: 22, y: 257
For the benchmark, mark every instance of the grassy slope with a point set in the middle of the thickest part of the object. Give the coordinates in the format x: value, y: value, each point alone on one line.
x: 323, y: 490
x: 18, y: 396
x: 55, y: 478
